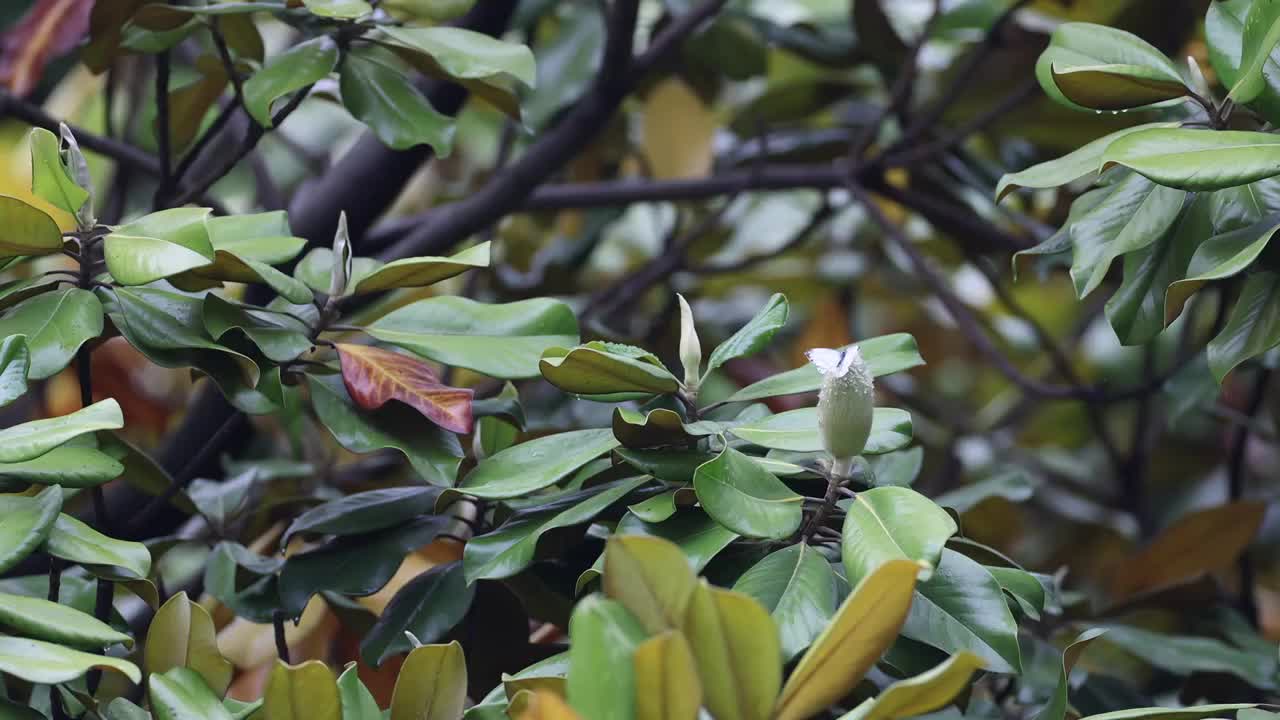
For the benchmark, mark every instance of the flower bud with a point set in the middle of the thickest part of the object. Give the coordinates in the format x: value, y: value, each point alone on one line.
x: 846, y: 404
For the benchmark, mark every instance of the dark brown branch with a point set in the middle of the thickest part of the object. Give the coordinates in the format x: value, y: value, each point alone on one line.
x: 121, y: 152
x: 163, y: 130
x: 1236, y: 476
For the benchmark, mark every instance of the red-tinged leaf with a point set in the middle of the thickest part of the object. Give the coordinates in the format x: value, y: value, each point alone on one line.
x: 49, y: 29
x: 374, y: 376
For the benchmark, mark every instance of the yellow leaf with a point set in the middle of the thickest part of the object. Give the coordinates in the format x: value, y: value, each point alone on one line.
x: 651, y: 577
x: 921, y: 694
x: 667, y: 686
x: 738, y: 653
x: 1198, y: 543
x: 302, y: 692
x: 540, y: 705
x: 181, y: 635
x: 678, y: 129
x: 863, y: 628
x: 432, y: 684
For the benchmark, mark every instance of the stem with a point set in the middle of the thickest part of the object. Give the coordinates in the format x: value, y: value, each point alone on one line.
x: 162, y: 128
x: 282, y: 647
x: 1248, y: 604
x: 55, y: 579
x: 840, y: 473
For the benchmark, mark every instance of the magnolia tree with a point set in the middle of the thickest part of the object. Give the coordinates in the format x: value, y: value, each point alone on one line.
x: 426, y: 474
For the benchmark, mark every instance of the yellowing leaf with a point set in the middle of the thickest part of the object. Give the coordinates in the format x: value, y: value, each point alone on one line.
x: 432, y: 684
x: 921, y: 694
x: 182, y: 635
x: 738, y: 653
x: 651, y: 577
x: 678, y: 130
x: 667, y: 686
x: 863, y: 628
x: 302, y: 692
x: 375, y: 376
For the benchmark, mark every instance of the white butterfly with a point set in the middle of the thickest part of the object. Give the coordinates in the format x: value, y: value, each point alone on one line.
x: 833, y: 362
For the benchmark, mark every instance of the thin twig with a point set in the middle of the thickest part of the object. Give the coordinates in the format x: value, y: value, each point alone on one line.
x: 163, y: 130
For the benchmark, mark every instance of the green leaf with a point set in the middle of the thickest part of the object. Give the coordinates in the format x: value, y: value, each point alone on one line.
x: 536, y: 464
x: 70, y: 466
x: 428, y: 606
x: 421, y: 271
x: 382, y: 97
x: 1085, y: 161
x: 666, y: 679
x: 1104, y: 68
x: 364, y: 512
x: 657, y: 428
x: 15, y: 359
x: 357, y: 702
x: 511, y: 548
x: 338, y: 9
x: 1134, y: 214
x: 503, y: 341
x: 961, y: 607
x: 1253, y: 327
x: 182, y: 694
x: 41, y: 662
x: 159, y: 245
x: 432, y: 684
x: 1261, y: 34
x: 1220, y: 256
x: 355, y: 566
x: 33, y: 439
x: 884, y: 355
x: 301, y: 692
x: 1183, y: 655
x: 753, y: 336
x: 797, y: 430
x: 1198, y: 159
x: 738, y: 653
x: 651, y: 577
x: 50, y: 179
x: 25, y: 523
x: 433, y: 452
x: 56, y: 325
x: 1014, y: 485
x: 469, y: 55
x: 797, y: 587
x: 746, y: 498
x: 45, y: 620
x: 1224, y: 35
x: 592, y: 370
x: 299, y: 66
x: 1059, y: 704
x: 921, y: 694
x: 899, y: 468
x: 75, y: 541
x: 602, y: 638
x: 1196, y: 712
x: 892, y: 523
x: 26, y: 230
x: 279, y: 338
x: 182, y: 635
x: 1026, y: 589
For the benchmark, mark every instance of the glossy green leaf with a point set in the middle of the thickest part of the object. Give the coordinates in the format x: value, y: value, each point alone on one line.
x: 70, y: 466
x: 1134, y: 214
x: 182, y: 694
x: 667, y: 685
x: 797, y: 587
x: 470, y: 55
x: 15, y: 360
x: 1014, y: 485
x: 536, y: 464
x: 338, y: 9
x: 299, y: 66
x: 182, y: 635
x: 77, y: 542
x: 37, y: 437
x: 279, y: 338
x: 1221, y: 256
x: 25, y: 523
x: 51, y: 621
x: 41, y: 662
x: 884, y: 355
x: 657, y: 428
x: 503, y: 341
x: 428, y: 606
x: 1027, y: 590
x: 305, y: 691
x: 962, y: 607
x: 651, y: 578
x: 738, y: 653
x: 159, y: 245
x: 1253, y: 327
x: 50, y: 178
x: 434, y: 453
x: 698, y: 536
x: 511, y: 548
x: 26, y: 230
x: 1184, y: 655
x: 1224, y: 36
x: 1085, y: 161
x: 754, y: 336
x: 899, y: 468
x: 357, y: 702
x: 432, y: 684
x: 592, y: 369
x: 746, y: 498
x: 602, y: 636
x: 797, y: 430
x: 1261, y: 34
x: 421, y: 271
x: 893, y: 523
x: 55, y: 324
x: 1059, y: 705
x: 1195, y: 712
x: 1105, y: 68
x: 364, y: 512
x: 1198, y: 159
x: 382, y: 97
x: 920, y: 694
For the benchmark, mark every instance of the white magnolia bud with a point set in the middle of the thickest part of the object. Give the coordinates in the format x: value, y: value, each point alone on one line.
x: 846, y: 404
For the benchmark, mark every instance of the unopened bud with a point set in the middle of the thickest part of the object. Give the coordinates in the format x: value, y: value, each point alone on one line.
x: 846, y: 404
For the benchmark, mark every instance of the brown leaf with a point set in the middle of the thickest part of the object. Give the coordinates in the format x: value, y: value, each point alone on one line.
x: 374, y: 376
x: 49, y: 29
x: 1198, y: 543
